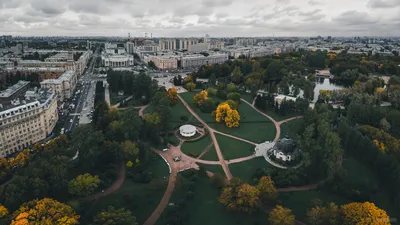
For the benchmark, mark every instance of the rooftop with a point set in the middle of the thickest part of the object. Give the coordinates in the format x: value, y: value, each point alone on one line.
x: 13, y: 89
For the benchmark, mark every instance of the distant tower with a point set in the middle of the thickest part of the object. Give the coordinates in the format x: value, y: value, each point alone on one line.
x: 151, y: 35
x: 129, y: 35
x: 145, y: 35
x: 206, y: 38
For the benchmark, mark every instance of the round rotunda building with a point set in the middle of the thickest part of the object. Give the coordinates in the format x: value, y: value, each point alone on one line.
x: 187, y: 130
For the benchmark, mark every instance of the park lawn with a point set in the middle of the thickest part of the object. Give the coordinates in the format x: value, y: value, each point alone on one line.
x: 196, y: 147
x: 247, y: 97
x: 300, y: 202
x: 213, y: 168
x: 211, y: 155
x: 291, y: 128
x: 232, y: 148
x: 278, y: 117
x: 253, y: 126
x: 245, y: 170
x: 139, y: 198
x: 177, y: 111
x: 361, y: 176
x: 204, y: 208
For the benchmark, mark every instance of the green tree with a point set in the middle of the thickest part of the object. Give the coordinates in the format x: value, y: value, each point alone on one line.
x: 131, y: 123
x: 237, y: 75
x: 190, y: 86
x: 83, y: 185
x: 235, y: 96
x: 114, y: 216
x: 328, y: 215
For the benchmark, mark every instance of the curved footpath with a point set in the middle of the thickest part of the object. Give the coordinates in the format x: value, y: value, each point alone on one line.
x: 167, y: 194
x: 114, y: 187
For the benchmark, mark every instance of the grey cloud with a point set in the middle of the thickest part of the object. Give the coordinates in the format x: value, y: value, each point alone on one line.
x: 353, y: 17
x: 314, y: 2
x: 213, y: 3
x: 383, y: 3
x: 310, y: 13
x: 281, y: 11
x: 315, y: 17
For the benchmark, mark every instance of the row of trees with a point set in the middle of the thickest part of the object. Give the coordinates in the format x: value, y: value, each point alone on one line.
x: 285, y: 107
x: 140, y: 86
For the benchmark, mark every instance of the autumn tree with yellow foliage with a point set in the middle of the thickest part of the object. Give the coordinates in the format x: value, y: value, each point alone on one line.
x: 243, y: 198
x: 200, y: 98
x: 281, y: 216
x: 268, y: 192
x: 225, y: 113
x: 173, y: 96
x: 3, y: 211
x: 83, y: 185
x: 366, y: 213
x: 45, y: 211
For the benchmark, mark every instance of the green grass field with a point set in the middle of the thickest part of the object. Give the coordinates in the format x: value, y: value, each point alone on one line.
x: 278, y: 117
x: 139, y: 198
x: 177, y: 112
x: 196, y: 147
x: 245, y: 170
x: 204, y: 208
x: 210, y: 155
x: 247, y: 97
x: 213, y: 168
x: 253, y: 126
x: 291, y: 128
x: 232, y: 148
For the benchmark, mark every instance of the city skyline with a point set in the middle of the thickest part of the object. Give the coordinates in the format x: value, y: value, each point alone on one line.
x: 217, y: 18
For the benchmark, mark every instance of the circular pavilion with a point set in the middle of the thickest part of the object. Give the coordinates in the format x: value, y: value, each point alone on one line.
x: 187, y: 130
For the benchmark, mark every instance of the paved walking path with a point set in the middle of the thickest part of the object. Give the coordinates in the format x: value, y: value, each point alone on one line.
x: 168, y: 192
x: 206, y: 150
x: 300, y: 188
x: 114, y: 187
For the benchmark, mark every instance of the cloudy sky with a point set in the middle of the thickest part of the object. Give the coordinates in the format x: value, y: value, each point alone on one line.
x: 197, y: 17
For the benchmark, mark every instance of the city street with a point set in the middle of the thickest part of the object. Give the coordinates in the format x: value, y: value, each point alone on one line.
x: 84, y: 103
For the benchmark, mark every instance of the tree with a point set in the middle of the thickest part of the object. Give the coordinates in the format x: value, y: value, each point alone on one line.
x: 200, y: 98
x: 45, y: 211
x: 172, y: 95
x: 281, y: 216
x: 232, y: 118
x: 237, y: 75
x: 268, y: 192
x: 222, y: 112
x: 244, y: 198
x: 152, y: 65
x: 190, y: 86
x: 329, y: 215
x: 114, y: 216
x: 357, y: 213
x: 235, y: 96
x: 130, y: 150
x: 3, y: 211
x: 131, y: 124
x: 212, y: 91
x: 231, y: 88
x: 385, y: 125
x: 83, y: 185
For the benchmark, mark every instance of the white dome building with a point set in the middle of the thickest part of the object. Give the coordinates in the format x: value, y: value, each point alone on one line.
x: 187, y: 130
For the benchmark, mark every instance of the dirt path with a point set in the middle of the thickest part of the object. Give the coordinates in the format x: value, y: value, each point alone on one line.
x: 234, y: 137
x: 165, y: 199
x: 114, y: 187
x: 206, y: 150
x: 300, y: 188
x: 214, y: 139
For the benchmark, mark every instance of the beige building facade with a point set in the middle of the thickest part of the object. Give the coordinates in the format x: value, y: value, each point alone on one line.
x: 24, y: 123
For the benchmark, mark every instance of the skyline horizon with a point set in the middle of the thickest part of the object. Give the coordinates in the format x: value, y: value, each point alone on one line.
x: 232, y: 18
